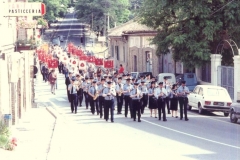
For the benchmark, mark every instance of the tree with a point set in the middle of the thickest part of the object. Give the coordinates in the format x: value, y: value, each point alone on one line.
x: 192, y: 28
x: 95, y: 12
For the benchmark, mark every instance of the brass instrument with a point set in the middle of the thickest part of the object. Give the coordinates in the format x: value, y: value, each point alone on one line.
x: 76, y: 85
x: 120, y: 91
x: 96, y: 95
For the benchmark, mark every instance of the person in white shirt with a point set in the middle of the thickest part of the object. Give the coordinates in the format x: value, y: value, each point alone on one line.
x: 160, y: 93
x: 182, y: 92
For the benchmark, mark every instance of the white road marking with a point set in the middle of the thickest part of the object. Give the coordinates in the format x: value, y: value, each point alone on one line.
x: 190, y: 135
x: 61, y: 99
x: 69, y: 31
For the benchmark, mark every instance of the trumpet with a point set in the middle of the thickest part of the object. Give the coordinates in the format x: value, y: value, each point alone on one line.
x: 96, y: 95
x: 120, y: 92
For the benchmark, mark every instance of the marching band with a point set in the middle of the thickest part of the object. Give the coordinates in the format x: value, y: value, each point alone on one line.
x: 99, y: 89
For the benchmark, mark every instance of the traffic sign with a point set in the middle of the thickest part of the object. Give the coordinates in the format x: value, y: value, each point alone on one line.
x: 16, y: 9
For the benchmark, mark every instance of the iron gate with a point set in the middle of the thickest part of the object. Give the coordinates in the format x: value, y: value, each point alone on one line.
x: 226, y: 79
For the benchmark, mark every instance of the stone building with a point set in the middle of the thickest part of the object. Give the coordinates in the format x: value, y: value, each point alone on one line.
x: 16, y: 73
x: 129, y: 45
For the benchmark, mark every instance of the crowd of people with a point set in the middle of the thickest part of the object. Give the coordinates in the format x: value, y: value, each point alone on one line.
x: 99, y: 89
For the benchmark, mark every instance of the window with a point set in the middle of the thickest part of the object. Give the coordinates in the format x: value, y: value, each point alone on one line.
x: 216, y: 92
x: 124, y: 54
x: 135, y: 64
x: 112, y: 51
x: 200, y: 92
x: 117, y: 52
x: 206, y: 72
x: 196, y: 90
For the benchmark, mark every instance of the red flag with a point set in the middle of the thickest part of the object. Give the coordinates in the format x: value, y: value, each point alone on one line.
x: 108, y: 64
x: 52, y: 63
x: 99, y: 62
x: 83, y: 57
x: 82, y: 65
x: 91, y: 59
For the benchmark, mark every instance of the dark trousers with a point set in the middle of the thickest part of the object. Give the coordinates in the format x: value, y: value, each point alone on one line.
x: 93, y: 104
x: 101, y: 105
x: 167, y: 101
x: 161, y: 108
x: 74, y: 102
x: 80, y: 96
x: 127, y: 101
x: 136, y: 108
x: 119, y: 103
x: 86, y: 98
x: 144, y: 102
x: 108, y: 105
x: 183, y: 101
x: 68, y: 95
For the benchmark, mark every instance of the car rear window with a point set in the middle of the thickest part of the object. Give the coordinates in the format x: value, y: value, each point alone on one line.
x: 215, y: 92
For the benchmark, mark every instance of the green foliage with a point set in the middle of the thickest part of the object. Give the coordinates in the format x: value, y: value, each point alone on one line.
x: 193, y: 28
x: 4, y: 135
x: 95, y: 12
x: 54, y: 8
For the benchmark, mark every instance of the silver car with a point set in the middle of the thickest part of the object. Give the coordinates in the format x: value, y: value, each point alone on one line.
x: 235, y: 112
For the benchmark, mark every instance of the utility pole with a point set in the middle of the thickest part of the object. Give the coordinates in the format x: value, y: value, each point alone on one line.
x: 92, y: 21
x: 108, y: 20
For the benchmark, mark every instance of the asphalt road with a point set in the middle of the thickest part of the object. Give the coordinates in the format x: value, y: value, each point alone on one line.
x: 70, y: 28
x: 210, y: 136
x: 207, y: 137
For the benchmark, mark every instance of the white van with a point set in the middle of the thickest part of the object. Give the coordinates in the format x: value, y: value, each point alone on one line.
x: 170, y: 77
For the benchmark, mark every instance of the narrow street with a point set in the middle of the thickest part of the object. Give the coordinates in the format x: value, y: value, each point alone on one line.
x: 86, y: 136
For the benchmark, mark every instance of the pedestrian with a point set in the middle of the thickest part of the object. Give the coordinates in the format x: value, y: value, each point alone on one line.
x: 86, y: 84
x: 80, y: 90
x: 182, y: 92
x: 144, y: 99
x: 67, y: 82
x: 174, y: 101
x: 52, y: 80
x: 136, y: 95
x: 90, y: 71
x: 93, y: 97
x: 152, y: 100
x: 101, y: 98
x: 109, y: 94
x: 119, y: 90
x: 127, y: 100
x: 99, y: 71
x: 160, y: 93
x: 121, y: 69
x: 72, y: 88
x: 168, y: 89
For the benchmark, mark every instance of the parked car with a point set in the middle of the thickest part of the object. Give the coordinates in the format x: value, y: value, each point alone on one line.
x: 137, y: 75
x: 210, y: 98
x: 190, y: 78
x: 235, y: 112
x: 170, y: 76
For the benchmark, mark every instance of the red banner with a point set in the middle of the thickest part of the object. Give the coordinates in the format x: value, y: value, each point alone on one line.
x: 83, y: 57
x: 108, y: 64
x: 52, y: 63
x: 91, y: 59
x: 98, y: 61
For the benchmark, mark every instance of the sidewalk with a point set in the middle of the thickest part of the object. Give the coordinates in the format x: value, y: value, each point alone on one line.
x: 33, y: 134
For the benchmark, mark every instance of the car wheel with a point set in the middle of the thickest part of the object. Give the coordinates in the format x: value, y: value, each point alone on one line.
x: 200, y: 110
x: 233, y: 119
x: 226, y: 114
x: 189, y: 108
